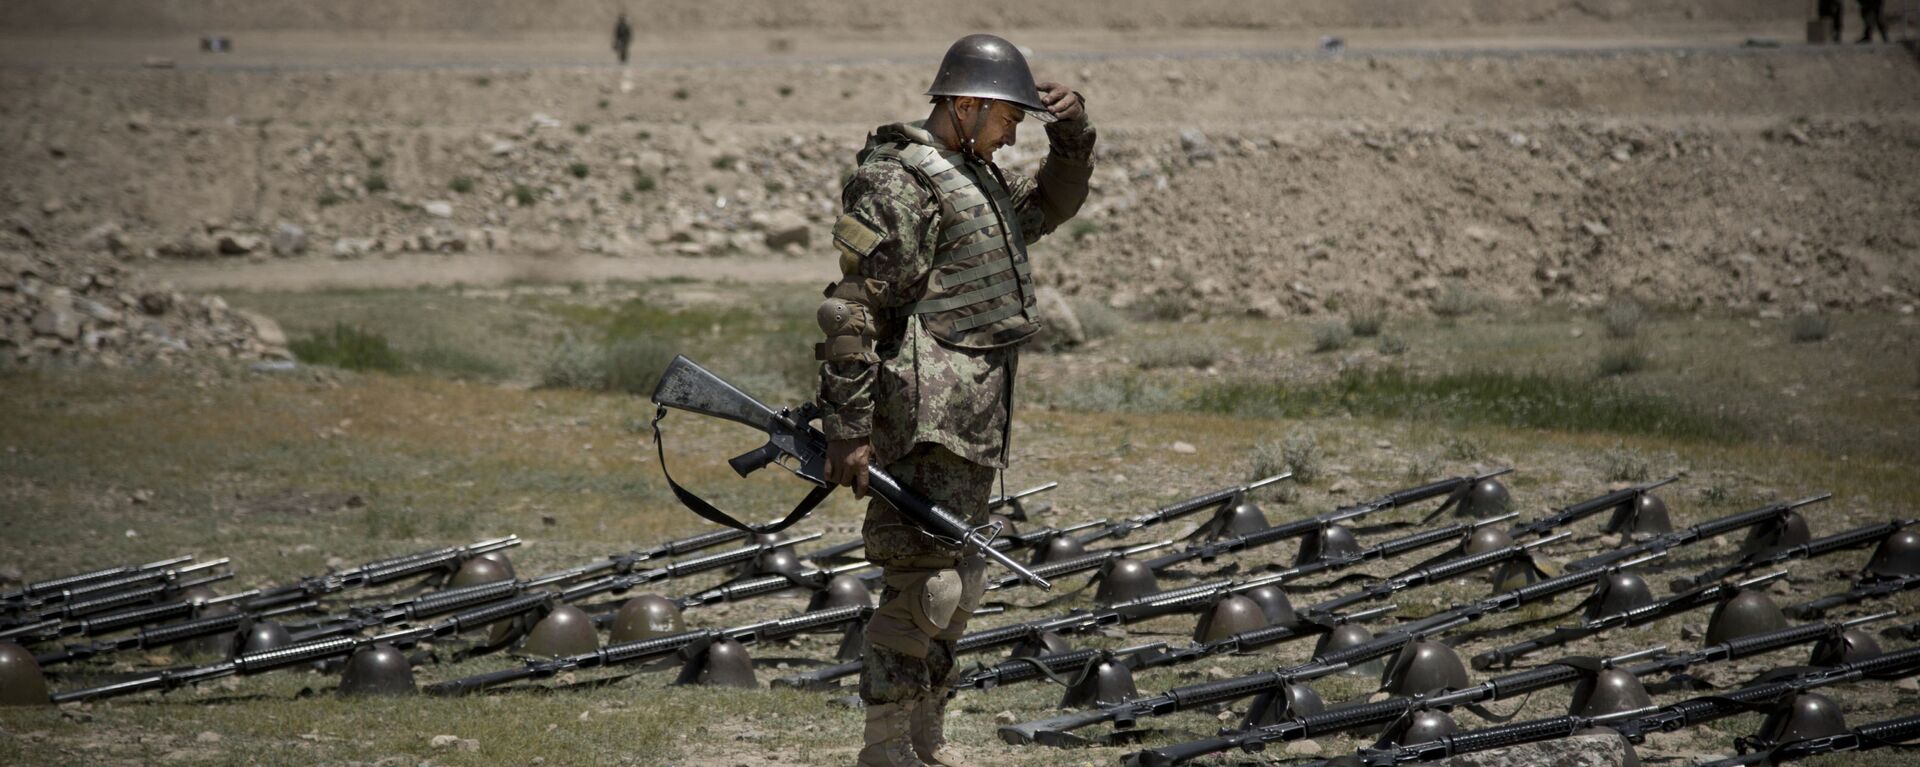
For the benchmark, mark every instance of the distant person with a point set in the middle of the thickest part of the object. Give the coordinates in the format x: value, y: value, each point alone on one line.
x: 1870, y: 16
x: 622, y: 37
x: 1832, y: 12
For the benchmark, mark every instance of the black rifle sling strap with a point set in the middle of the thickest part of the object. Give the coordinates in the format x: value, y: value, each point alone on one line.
x: 712, y: 514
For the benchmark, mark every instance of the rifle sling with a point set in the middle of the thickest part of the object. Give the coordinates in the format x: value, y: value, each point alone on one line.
x: 712, y: 514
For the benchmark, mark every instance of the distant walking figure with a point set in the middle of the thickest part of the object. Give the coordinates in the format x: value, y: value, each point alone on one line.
x: 622, y: 37
x: 1870, y: 16
x: 1832, y: 11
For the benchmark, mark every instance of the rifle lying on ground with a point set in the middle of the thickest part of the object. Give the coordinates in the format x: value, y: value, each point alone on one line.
x: 656, y: 648
x: 793, y: 444
x: 1858, y: 537
x: 171, y: 585
x: 1568, y: 515
x: 1436, y: 573
x: 1223, y: 499
x: 1637, y: 724
x: 60, y: 589
x: 152, y: 637
x: 1861, y: 592
x: 813, y: 578
x: 1683, y: 602
x: 1699, y: 532
x: 1092, y: 560
x: 1057, y: 731
x: 1006, y: 541
x: 1888, y: 733
x: 1550, y: 675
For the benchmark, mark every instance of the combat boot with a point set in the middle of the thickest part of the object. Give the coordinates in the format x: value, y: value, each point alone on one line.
x: 887, y: 739
x: 930, y: 732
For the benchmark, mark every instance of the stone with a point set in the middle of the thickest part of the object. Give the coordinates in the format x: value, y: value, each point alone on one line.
x: 156, y: 303
x: 208, y: 736
x: 289, y: 240
x: 105, y: 237
x: 1480, y: 234
x: 238, y: 244
x: 1303, y: 748
x: 454, y: 742
x: 56, y: 318
x: 1184, y: 448
x: 1058, y: 317
x: 1196, y: 145
x: 265, y: 330
x: 352, y: 247
x: 1596, y: 228
x: 438, y: 208
x: 1578, y: 751
x: 787, y: 227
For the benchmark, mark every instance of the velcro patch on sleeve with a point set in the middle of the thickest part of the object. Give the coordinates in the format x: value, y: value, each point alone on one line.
x: 855, y: 235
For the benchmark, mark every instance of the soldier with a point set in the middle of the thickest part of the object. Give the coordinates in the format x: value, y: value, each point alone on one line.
x: 622, y: 36
x: 922, y: 338
x: 1831, y: 12
x: 1871, y: 19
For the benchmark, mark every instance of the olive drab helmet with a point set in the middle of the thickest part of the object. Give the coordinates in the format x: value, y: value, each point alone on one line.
x: 1618, y: 593
x: 1229, y: 615
x: 1421, y: 726
x: 1488, y: 538
x: 1788, y: 530
x: 1103, y: 682
x: 722, y: 663
x: 263, y: 636
x: 1750, y: 611
x: 21, y: 682
x: 1521, y: 571
x: 1275, y: 605
x: 1487, y: 498
x: 1423, y: 667
x: 1646, y: 514
x: 1293, y: 700
x: 1123, y: 580
x: 377, y: 669
x: 1849, y: 646
x: 567, y: 630
x: 1040, y: 643
x: 1342, y: 637
x: 217, y: 644
x: 1057, y: 548
x: 988, y: 67
x: 479, y: 570
x: 843, y: 591
x: 780, y: 561
x: 1898, y: 554
x: 1241, y: 516
x: 1608, y: 691
x: 1802, y: 717
x: 645, y: 617
x: 1327, y: 542
x: 500, y: 558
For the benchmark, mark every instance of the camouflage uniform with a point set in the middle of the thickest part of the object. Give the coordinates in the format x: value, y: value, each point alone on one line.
x: 937, y: 413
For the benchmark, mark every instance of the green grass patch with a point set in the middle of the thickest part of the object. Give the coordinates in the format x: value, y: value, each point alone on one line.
x: 346, y: 346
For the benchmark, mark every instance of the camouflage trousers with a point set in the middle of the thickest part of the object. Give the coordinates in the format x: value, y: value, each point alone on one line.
x: 931, y: 592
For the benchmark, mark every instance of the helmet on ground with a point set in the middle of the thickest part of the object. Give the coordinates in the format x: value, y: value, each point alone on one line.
x: 1421, y: 726
x: 1645, y: 514
x: 1331, y: 541
x: 1849, y: 646
x: 1618, y: 593
x: 1123, y: 580
x: 1103, y: 682
x: 724, y: 663
x: 1488, y: 538
x: 263, y: 636
x: 843, y: 591
x: 645, y: 617
x: 1229, y: 615
x: 1342, y: 637
x: 1750, y: 611
x: 1488, y: 498
x: 499, y: 558
x: 1804, y: 716
x: 1608, y: 691
x: 1295, y: 700
x: 1038, y: 644
x: 1789, y: 530
x: 1898, y: 554
x: 567, y: 630
x: 217, y: 644
x: 1244, y: 517
x: 1056, y: 549
x: 1422, y: 667
x: 779, y: 561
x: 21, y: 682
x: 377, y: 669
x: 1274, y: 604
x: 988, y: 67
x: 1522, y: 571
x: 479, y: 570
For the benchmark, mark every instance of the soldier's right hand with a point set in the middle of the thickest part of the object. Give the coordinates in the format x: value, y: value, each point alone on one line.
x: 847, y: 462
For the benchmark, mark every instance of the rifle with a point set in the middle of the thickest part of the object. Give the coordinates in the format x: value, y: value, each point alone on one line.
x: 1554, y: 674
x: 653, y: 648
x: 1092, y: 560
x: 378, y: 573
x: 1222, y: 498
x: 56, y: 589
x: 1819, y: 547
x: 1686, y: 601
x: 1886, y: 733
x: 1057, y: 731
x: 1024, y: 539
x: 793, y: 444
x: 150, y: 637
x: 111, y: 622
x: 1460, y: 531
x: 1436, y: 573
x: 1587, y: 508
x: 1702, y: 531
x: 1637, y: 724
x: 1861, y: 592
x: 103, y: 595
x: 815, y: 578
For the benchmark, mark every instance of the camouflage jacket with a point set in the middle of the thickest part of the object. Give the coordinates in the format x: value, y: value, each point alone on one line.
x: 922, y: 390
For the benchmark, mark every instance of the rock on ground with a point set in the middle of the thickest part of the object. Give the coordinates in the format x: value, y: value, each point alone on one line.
x: 1578, y: 751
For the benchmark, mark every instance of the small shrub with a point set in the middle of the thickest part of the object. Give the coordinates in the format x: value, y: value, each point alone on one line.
x: 1331, y: 336
x: 1165, y: 307
x: 376, y: 183
x: 1082, y: 228
x: 643, y: 183
x: 583, y: 129
x: 1622, y: 317
x: 328, y: 199
x: 626, y: 196
x: 1716, y: 494
x: 633, y: 365
x: 1421, y: 468
x: 725, y: 162
x: 575, y: 364
x: 346, y: 346
x: 1460, y: 448
x: 483, y: 81
x: 1268, y: 459
x: 376, y: 163
x: 1621, y: 464
x: 681, y: 94
x: 1455, y: 300
x: 524, y: 195
x: 603, y: 104
x: 1810, y: 328
x: 1097, y: 319
x: 1300, y: 454
x: 1178, y: 352
x: 460, y: 184
x: 1393, y: 346
x: 578, y: 169
x: 1621, y: 359
x: 785, y: 91
x: 1366, y: 322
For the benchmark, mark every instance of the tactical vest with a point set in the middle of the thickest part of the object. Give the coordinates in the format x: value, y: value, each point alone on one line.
x: 980, y: 292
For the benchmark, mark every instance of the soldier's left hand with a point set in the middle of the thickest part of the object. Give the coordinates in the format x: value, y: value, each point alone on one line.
x: 1061, y: 101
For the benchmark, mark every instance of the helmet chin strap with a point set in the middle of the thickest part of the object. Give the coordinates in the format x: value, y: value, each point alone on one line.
x: 980, y: 115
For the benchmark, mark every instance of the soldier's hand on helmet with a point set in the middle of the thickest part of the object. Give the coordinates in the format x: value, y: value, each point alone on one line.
x: 847, y: 462
x: 1061, y: 101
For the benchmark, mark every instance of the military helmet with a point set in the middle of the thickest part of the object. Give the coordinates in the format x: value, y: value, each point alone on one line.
x: 217, y: 644
x: 1422, y: 667
x: 1898, y: 554
x: 21, y: 682
x: 1040, y: 643
x: 1229, y: 615
x: 263, y: 636
x: 1618, y: 593
x: 1422, y: 726
x: 1849, y: 646
x: 1007, y: 528
x: 1291, y: 701
x: 1789, y: 530
x: 779, y: 561
x: 1274, y: 604
x: 1521, y: 571
x: 1748, y: 612
x: 1804, y: 716
x: 1488, y: 498
x: 1488, y: 538
x: 479, y: 570
x: 1609, y: 691
x: 1645, y: 514
x: 1124, y: 580
x: 843, y: 591
x: 645, y: 617
x: 500, y: 558
x: 1327, y: 542
x: 1244, y: 517
x: 989, y: 67
x: 377, y: 669
x: 1057, y: 549
x: 567, y: 630
x: 1342, y: 637
x: 724, y: 663
x: 1104, y: 682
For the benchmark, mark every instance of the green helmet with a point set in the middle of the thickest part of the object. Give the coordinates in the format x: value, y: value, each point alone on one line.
x: 1123, y: 580
x: 1230, y: 615
x: 1488, y: 538
x: 645, y: 617
x: 1618, y: 593
x: 1057, y: 548
x: 21, y: 682
x: 1423, y: 667
x: 377, y: 669
x: 217, y: 644
x: 1244, y: 517
x: 1789, y: 530
x: 565, y: 631
x: 1275, y: 604
x: 1898, y: 554
x: 500, y: 558
x: 1103, y: 682
x: 1849, y: 646
x: 843, y: 591
x: 1609, y: 691
x: 1294, y: 701
x: 1488, y: 498
x: 1328, y: 542
x: 988, y: 67
x: 1750, y: 611
x: 724, y: 663
x: 1803, y: 717
x: 1522, y: 571
x: 1342, y: 637
x: 263, y: 636
x: 1040, y: 643
x: 479, y: 570
x: 1423, y: 726
x: 1645, y: 514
